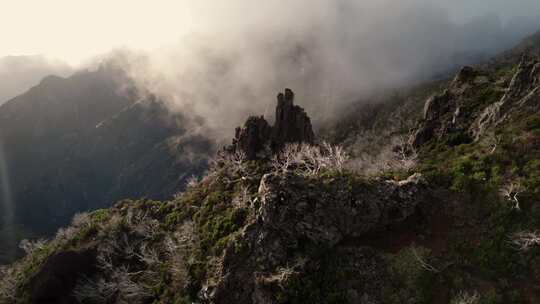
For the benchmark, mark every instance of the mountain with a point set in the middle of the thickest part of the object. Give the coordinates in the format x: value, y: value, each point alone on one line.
x: 19, y: 73
x: 282, y: 217
x: 450, y: 215
x: 83, y: 142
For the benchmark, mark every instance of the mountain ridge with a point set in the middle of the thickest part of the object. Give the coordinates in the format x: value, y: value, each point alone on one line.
x: 450, y: 218
x: 73, y: 141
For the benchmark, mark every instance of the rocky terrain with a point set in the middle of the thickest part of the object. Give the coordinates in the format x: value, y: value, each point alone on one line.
x: 452, y: 215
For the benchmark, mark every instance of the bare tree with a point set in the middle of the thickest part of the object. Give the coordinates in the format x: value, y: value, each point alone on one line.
x: 405, y: 155
x: 66, y: 234
x: 309, y: 160
x: 525, y: 240
x: 375, y: 155
x: 119, y: 288
x: 8, y: 285
x: 192, y: 182
x: 423, y: 263
x: 466, y: 298
x: 511, y: 191
x: 177, y: 249
x: 336, y: 156
x: 149, y: 256
x: 492, y: 141
x: 30, y: 247
x: 235, y: 161
x: 283, y: 162
x: 81, y: 219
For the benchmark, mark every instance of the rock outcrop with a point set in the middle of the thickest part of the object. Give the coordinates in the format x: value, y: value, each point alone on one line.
x: 523, y: 91
x: 454, y: 113
x: 292, y: 125
x: 442, y: 112
x: 253, y: 137
x: 296, y: 213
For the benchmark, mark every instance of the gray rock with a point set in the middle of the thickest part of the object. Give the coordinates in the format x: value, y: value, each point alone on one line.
x: 293, y: 214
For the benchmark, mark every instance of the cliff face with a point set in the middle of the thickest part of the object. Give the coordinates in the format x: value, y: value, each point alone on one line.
x: 296, y: 214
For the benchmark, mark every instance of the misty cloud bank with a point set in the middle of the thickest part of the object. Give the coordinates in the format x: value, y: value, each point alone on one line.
x: 19, y: 73
x: 239, y: 54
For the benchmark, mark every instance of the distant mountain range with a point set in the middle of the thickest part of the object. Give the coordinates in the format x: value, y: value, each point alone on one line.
x: 19, y: 73
x: 83, y: 142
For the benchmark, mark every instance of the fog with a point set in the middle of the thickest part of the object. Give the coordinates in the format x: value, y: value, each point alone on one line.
x: 19, y: 73
x: 225, y: 60
x: 329, y: 52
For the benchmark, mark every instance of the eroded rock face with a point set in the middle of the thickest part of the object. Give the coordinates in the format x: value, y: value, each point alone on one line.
x: 328, y: 217
x: 523, y: 91
x: 296, y: 214
x: 292, y: 125
x: 452, y: 114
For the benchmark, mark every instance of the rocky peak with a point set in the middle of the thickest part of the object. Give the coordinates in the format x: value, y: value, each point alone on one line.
x: 292, y: 125
x: 253, y: 136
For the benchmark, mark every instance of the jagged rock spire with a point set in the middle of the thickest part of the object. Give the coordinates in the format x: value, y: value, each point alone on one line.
x: 292, y: 125
x: 253, y: 137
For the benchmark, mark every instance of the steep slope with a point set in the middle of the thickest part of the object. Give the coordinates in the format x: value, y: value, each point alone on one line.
x: 83, y: 142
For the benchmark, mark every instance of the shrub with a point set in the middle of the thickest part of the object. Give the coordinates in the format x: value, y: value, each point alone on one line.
x: 30, y: 247
x: 309, y: 160
x: 466, y: 298
x: 525, y: 240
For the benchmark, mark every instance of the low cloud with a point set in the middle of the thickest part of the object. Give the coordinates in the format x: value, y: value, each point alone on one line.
x: 239, y: 54
x: 19, y: 73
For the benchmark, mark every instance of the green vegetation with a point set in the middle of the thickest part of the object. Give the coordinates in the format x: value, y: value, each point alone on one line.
x: 411, y: 281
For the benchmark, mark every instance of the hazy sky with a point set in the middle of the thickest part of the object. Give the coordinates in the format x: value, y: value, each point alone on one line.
x: 225, y: 59
x: 74, y: 30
